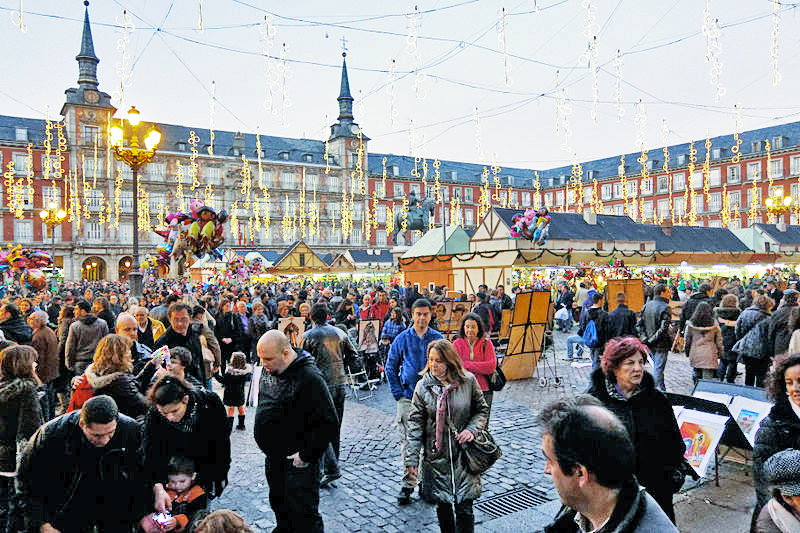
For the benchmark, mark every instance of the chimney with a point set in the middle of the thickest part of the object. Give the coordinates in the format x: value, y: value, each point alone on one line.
x: 590, y: 217
x: 666, y: 227
x: 781, y: 225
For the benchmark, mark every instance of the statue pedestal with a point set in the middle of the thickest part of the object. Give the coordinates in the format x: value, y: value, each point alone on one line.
x: 397, y: 253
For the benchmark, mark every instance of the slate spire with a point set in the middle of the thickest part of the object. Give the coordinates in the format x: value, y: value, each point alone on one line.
x: 87, y: 60
x: 345, y: 99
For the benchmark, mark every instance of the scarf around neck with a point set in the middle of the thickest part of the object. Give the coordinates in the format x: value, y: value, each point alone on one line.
x: 441, y: 411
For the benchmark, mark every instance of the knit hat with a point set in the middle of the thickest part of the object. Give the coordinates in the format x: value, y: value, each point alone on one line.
x: 783, y: 472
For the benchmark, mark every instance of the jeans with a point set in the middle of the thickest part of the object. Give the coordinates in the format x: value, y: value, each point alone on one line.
x: 597, y: 353
x: 48, y: 402
x: 727, y: 370
x: 573, y: 340
x: 294, y: 495
x: 403, y: 408
x: 659, y: 364
x: 330, y: 459
x: 464, y: 519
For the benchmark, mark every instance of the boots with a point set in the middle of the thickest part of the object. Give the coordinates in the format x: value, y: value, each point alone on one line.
x: 241, y: 422
x: 229, y: 424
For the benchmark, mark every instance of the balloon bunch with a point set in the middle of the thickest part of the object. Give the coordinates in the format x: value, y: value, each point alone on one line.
x: 198, y: 233
x: 236, y: 267
x: 533, y: 224
x: 26, y: 262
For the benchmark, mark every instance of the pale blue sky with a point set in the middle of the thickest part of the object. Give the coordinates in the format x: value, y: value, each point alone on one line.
x: 459, y: 51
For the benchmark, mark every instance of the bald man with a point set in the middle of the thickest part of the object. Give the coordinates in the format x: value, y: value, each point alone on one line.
x: 141, y: 354
x: 295, y: 421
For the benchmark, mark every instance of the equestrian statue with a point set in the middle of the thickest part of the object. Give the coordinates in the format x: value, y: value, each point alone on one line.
x: 417, y: 219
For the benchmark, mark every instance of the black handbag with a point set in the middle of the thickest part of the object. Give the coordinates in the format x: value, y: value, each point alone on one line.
x: 480, y: 453
x: 497, y: 380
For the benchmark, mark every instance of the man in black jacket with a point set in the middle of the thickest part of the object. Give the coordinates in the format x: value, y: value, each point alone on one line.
x: 13, y: 325
x: 622, y: 321
x: 181, y: 333
x: 703, y: 294
x: 597, y: 314
x: 657, y: 332
x: 564, y: 299
x: 330, y: 347
x: 83, y: 470
x: 295, y: 421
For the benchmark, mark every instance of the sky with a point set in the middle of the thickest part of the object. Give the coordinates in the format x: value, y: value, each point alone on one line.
x: 513, y: 82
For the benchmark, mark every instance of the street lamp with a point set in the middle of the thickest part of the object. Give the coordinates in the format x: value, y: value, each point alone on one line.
x: 777, y: 205
x: 124, y: 136
x: 52, y: 217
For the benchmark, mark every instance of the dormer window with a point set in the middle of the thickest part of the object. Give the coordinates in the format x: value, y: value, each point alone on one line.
x: 756, y: 146
x: 22, y: 134
x: 681, y: 159
x: 237, y: 152
x: 283, y: 155
x: 395, y: 170
x: 181, y: 146
x: 307, y: 158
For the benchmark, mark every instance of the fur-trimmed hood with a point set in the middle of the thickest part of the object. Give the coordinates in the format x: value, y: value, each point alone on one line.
x: 16, y: 387
x: 701, y: 328
x: 97, y: 381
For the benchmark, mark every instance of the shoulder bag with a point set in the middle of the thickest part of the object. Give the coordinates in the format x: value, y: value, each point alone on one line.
x: 480, y: 453
x: 497, y: 380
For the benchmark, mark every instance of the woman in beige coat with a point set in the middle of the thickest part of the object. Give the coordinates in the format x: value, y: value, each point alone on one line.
x: 447, y: 409
x: 703, y: 342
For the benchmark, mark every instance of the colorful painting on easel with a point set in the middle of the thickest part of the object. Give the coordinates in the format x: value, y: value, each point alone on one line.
x: 701, y: 433
x: 696, y: 439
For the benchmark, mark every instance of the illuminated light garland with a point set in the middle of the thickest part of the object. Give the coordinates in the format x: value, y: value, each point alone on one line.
x: 260, y: 165
x: 286, y: 74
x: 179, y: 189
x: 29, y: 174
x: 736, y: 148
x: 326, y: 155
x: 383, y: 179
x: 362, y: 184
x: 566, y: 111
x: 86, y: 188
x: 8, y: 180
x: 707, y: 171
x: 623, y: 182
x: 713, y: 50
x: 503, y: 44
x: 102, y: 214
x: 211, y: 133
x: 267, y: 31
x: 126, y: 27
x: 109, y: 167
x: 640, y: 119
x: 437, y: 186
x: 250, y: 229
x: 257, y: 212
x: 94, y: 167
x: 665, y: 167
x: 691, y: 195
x: 478, y: 143
x: 776, y: 73
x: 75, y: 198
x: 496, y: 179
x: 726, y: 205
x: 192, y: 167
x: 589, y: 56
x: 47, y: 164
x: 247, y: 182
x: 393, y: 113
x: 768, y: 149
x: 200, y: 15
x: 618, y: 85
x: 597, y: 203
x: 208, y: 195
x: 576, y: 180
x: 118, y: 192
x: 61, y: 148
x: 412, y: 48
x: 235, y: 220
x: 266, y: 210
x: 753, y: 212
x: 485, y: 200
x: 595, y: 82
x: 404, y: 218
x: 412, y: 138
x: 16, y: 18
x: 389, y: 219
x: 302, y: 204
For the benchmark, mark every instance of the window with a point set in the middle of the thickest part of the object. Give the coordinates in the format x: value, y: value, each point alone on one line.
x: 380, y: 237
x: 429, y: 191
x: 715, y: 224
x: 537, y: 200
x: 605, y: 191
x: 699, y: 203
x: 776, y: 168
x: 395, y: 170
x: 156, y: 199
x: 632, y: 185
x: 334, y: 183
x: 513, y: 197
x: 288, y: 180
x: 617, y: 190
x: 380, y: 189
x: 20, y: 165
x: 399, y: 190
x: 214, y: 174
x: 663, y: 183
x: 647, y: 186
x: 681, y: 159
x: 90, y: 133
x: 380, y: 213
x: 312, y: 182
x: 559, y: 198
x: 715, y: 177
x: 469, y: 217
x: 795, y: 193
x: 734, y: 174
x: 753, y: 170
x: 126, y: 200
x: 358, y: 210
x: 90, y: 170
x: 587, y: 195
x: 715, y: 202
x: 355, y: 236
x: 444, y: 190
x: 716, y: 153
x: 414, y: 188
x: 57, y: 230
x: 750, y: 196
x: 619, y: 209
x: 526, y: 199
x: 679, y: 206
x: 334, y: 210
x: 468, y: 195
x: 697, y: 179
x: 457, y: 192
x: 22, y: 134
x: 663, y: 208
x: 95, y: 200
x: 51, y: 194
x: 283, y: 155
x: 678, y: 181
x: 735, y: 200
x: 307, y: 158
x: 125, y: 232
x: 777, y: 143
x: 23, y: 230
x: 548, y: 199
x: 94, y: 232
x: 755, y: 146
x: 648, y: 209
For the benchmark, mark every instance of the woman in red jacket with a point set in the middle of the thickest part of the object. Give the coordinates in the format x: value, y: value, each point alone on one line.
x: 477, y: 352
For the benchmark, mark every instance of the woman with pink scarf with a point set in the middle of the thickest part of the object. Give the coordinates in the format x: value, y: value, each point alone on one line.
x: 447, y: 410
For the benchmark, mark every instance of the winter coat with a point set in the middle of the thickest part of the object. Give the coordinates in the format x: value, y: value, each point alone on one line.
x: 56, y: 461
x: 467, y: 410
x: 726, y: 320
x: 122, y: 387
x: 151, y: 333
x: 234, y: 381
x: 748, y: 319
x: 108, y: 317
x: 207, y: 442
x: 650, y: 421
x: 635, y: 512
x: 785, y: 515
x: 481, y: 360
x: 46, y: 345
x: 703, y: 345
x: 211, y: 343
x: 330, y: 347
x: 15, y: 329
x: 408, y: 355
x: 295, y: 412
x: 565, y: 299
x: 778, y: 334
x: 779, y: 431
x: 657, y: 320
x: 601, y: 324
x: 690, y: 306
x: 621, y: 322
x: 229, y: 326
x: 257, y: 327
x: 84, y: 335
x: 20, y: 417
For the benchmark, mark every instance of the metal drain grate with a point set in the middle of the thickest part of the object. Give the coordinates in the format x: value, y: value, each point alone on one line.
x: 511, y: 502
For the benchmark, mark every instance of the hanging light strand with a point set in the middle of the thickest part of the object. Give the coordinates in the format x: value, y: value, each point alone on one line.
x: 503, y: 44
x: 618, y: 85
x: 776, y: 73
x: 126, y: 27
x: 267, y: 31
x: 713, y: 50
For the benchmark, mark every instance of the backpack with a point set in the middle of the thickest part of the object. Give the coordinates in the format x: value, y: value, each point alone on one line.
x: 590, y: 337
x: 496, y: 315
x: 82, y: 392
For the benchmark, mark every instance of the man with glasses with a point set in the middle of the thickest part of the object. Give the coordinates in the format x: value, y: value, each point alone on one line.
x: 149, y: 329
x: 180, y: 333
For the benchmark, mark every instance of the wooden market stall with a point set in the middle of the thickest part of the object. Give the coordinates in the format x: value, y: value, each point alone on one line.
x: 426, y: 265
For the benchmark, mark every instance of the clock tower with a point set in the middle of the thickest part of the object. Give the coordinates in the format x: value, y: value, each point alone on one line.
x: 343, y: 144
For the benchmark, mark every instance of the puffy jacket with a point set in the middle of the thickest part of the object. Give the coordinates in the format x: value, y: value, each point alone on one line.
x: 749, y: 318
x: 703, y: 345
x: 46, y: 345
x: 122, y: 387
x: 20, y: 417
x: 84, y: 335
x: 481, y: 360
x: 15, y: 329
x: 468, y: 410
x: 330, y: 347
x: 55, y: 463
x: 778, y: 334
x: 726, y: 319
x: 657, y: 320
x: 408, y: 355
x: 295, y: 412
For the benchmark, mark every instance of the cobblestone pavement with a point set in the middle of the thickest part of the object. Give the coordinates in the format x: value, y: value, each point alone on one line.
x: 364, y: 499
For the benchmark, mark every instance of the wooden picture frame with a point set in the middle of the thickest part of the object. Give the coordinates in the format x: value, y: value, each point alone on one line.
x: 293, y: 327
x: 368, y: 334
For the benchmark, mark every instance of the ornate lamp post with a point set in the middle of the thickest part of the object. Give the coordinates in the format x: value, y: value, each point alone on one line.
x: 52, y: 217
x: 125, y: 135
x: 778, y: 205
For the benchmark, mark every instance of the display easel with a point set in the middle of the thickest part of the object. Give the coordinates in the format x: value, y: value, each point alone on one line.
x: 526, y: 337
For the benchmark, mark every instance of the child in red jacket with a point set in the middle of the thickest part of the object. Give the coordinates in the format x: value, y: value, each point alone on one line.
x: 187, y: 499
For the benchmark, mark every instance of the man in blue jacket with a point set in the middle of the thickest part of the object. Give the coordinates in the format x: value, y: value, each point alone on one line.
x: 408, y: 355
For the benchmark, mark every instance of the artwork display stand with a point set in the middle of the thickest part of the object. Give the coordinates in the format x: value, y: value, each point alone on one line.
x: 530, y: 325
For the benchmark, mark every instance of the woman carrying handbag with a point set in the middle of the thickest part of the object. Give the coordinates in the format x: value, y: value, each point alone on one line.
x: 447, y: 411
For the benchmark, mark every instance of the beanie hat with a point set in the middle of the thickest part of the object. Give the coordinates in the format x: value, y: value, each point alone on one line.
x: 783, y: 472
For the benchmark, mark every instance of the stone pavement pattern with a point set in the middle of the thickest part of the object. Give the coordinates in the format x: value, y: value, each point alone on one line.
x: 364, y: 499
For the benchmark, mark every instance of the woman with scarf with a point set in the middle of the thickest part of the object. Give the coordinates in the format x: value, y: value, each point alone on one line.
x: 447, y: 410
